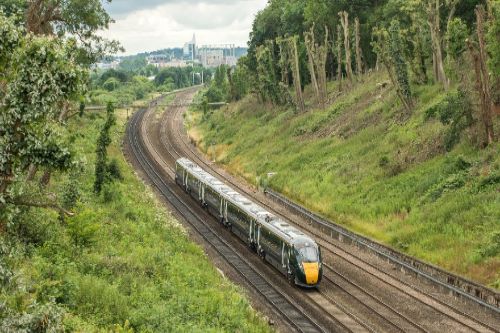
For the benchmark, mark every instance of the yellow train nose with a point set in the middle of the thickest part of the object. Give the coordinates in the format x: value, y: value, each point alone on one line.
x: 311, y: 270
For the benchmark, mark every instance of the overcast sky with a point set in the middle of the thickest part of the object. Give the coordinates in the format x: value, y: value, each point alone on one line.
x: 148, y: 25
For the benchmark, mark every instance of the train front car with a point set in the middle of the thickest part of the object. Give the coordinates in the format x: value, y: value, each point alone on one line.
x: 307, y: 263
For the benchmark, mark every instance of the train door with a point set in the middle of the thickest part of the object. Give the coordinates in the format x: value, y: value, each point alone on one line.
x: 221, y: 210
x: 283, y: 255
x: 251, y: 233
x: 185, y: 180
x: 225, y: 213
x: 202, y: 194
x: 259, y: 247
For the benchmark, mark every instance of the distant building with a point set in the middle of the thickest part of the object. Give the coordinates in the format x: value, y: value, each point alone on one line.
x: 176, y: 63
x: 108, y: 65
x: 190, y: 50
x: 216, y: 55
x: 158, y: 60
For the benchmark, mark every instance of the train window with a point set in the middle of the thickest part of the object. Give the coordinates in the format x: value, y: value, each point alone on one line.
x: 307, y: 253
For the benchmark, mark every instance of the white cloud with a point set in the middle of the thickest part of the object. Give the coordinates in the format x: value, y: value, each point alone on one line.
x: 149, y: 25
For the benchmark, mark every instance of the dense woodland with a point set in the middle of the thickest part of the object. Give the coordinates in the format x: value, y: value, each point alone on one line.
x: 420, y: 42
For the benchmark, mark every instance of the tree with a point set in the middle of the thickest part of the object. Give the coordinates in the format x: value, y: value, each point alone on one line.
x: 317, y: 55
x: 359, y: 62
x: 399, y: 63
x: 104, y: 140
x: 433, y: 11
x: 339, y: 56
x: 388, y: 47
x: 344, y: 21
x: 39, y: 76
x: 456, y: 36
x: 480, y: 60
x: 493, y: 49
x: 268, y: 85
x: 79, y: 18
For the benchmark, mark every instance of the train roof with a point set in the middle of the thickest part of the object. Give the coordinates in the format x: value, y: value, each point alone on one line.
x: 279, y: 226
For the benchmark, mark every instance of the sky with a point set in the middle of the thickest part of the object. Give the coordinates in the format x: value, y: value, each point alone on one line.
x: 148, y: 25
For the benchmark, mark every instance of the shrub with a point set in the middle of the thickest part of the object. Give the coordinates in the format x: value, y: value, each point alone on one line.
x: 84, y: 227
x: 455, y: 111
x: 383, y: 162
x: 492, y: 247
x: 37, y: 319
x: 114, y: 171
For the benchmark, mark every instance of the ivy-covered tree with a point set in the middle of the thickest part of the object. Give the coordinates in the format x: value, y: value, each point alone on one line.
x: 104, y: 140
x: 400, y: 66
x: 387, y: 45
x: 39, y: 75
x: 493, y: 48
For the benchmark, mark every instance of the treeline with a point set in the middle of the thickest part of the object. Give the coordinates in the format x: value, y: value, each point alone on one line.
x: 134, y: 79
x: 452, y: 43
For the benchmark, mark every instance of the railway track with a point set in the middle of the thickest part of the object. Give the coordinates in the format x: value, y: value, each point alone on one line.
x: 294, y: 315
x: 332, y: 312
x: 171, y: 135
x: 328, y: 305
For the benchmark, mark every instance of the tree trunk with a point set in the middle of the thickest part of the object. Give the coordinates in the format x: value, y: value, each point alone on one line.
x: 359, y: 63
x: 314, y: 81
x: 487, y: 104
x: 296, y: 72
x: 434, y: 22
x: 317, y: 55
x: 31, y: 172
x: 45, y: 180
x: 344, y: 20
x: 339, y: 57
x: 283, y: 62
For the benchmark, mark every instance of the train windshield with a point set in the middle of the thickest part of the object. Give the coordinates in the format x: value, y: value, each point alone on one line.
x: 307, y: 253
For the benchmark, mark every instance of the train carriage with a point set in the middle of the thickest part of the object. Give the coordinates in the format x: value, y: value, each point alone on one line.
x: 292, y: 252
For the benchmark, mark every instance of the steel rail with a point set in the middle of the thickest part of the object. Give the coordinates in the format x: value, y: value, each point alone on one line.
x: 280, y: 302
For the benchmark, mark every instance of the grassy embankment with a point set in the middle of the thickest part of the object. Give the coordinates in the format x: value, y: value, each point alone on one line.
x: 121, y: 258
x: 360, y: 164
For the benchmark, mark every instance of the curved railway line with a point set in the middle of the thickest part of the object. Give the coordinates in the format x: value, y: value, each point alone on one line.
x: 343, y: 302
x: 294, y: 315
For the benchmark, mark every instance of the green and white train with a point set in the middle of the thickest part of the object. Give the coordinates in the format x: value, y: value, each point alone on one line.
x: 288, y: 249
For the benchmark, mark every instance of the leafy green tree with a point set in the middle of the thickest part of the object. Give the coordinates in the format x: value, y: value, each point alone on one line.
x: 456, y: 35
x: 118, y: 74
x: 104, y: 140
x: 81, y: 19
x: 493, y: 48
x: 39, y: 74
x: 111, y: 84
x: 400, y: 66
x: 239, y: 80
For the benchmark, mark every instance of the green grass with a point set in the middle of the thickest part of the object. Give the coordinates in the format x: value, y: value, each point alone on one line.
x: 364, y: 166
x: 122, y: 262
